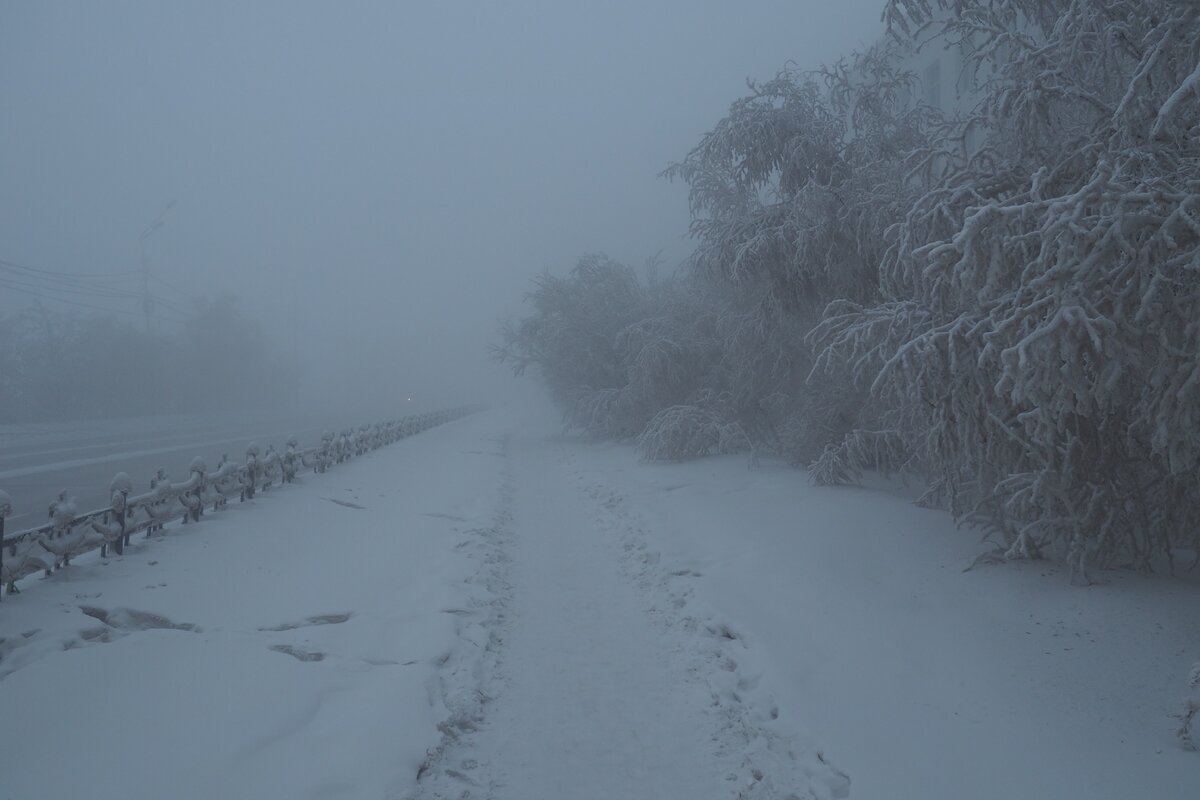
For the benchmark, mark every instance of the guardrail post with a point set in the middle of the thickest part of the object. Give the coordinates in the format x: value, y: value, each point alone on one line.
x: 199, y: 474
x: 219, y: 499
x: 5, y: 510
x: 160, y: 478
x: 118, y: 497
x: 123, y: 537
x: 251, y: 471
x: 1, y: 549
x: 289, y: 460
x: 62, y: 517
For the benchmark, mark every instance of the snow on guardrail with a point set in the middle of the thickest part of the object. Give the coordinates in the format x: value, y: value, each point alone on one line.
x: 69, y: 533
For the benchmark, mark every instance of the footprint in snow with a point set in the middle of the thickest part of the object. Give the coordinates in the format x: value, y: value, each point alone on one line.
x: 297, y: 653
x: 130, y: 619
x: 450, y: 517
x: 120, y: 622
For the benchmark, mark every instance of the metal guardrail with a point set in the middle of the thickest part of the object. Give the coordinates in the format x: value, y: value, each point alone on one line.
x: 67, y: 534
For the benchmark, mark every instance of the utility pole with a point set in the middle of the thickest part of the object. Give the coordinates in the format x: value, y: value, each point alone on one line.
x: 147, y: 298
x: 295, y: 323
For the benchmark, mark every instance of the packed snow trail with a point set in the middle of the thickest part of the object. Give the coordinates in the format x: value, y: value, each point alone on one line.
x: 592, y: 708
x: 586, y: 668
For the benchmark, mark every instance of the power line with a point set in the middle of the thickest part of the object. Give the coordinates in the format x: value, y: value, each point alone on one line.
x: 54, y: 273
x: 76, y: 289
x: 50, y: 282
x: 4, y: 282
x: 51, y: 285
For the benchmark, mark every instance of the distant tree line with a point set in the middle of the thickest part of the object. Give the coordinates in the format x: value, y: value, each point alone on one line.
x: 1005, y: 302
x: 58, y: 365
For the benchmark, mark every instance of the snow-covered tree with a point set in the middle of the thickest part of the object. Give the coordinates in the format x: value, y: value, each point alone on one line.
x: 571, y: 337
x: 793, y: 194
x: 792, y: 191
x: 1036, y: 336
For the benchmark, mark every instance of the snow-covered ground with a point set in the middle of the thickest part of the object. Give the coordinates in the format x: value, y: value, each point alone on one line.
x: 284, y: 647
x: 919, y: 679
x: 491, y: 610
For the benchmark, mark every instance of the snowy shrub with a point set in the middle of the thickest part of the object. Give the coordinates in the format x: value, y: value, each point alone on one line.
x: 679, y: 433
x: 571, y: 338
x: 1006, y: 303
x: 1036, y: 329
x: 858, y: 451
x: 832, y: 468
x: 670, y: 356
x: 615, y: 353
x: 793, y: 194
x: 602, y: 413
x: 792, y: 191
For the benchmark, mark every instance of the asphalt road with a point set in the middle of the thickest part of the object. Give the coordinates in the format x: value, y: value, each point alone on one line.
x: 37, y: 462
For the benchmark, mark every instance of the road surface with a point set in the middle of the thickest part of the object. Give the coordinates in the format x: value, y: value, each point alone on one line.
x: 39, y: 461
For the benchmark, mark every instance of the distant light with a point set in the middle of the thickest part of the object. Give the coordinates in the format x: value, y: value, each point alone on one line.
x: 410, y: 399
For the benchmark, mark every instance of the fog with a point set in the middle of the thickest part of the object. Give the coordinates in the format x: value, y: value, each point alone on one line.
x: 556, y: 400
x: 375, y: 182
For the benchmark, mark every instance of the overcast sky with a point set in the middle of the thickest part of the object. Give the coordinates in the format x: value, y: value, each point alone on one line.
x: 376, y: 180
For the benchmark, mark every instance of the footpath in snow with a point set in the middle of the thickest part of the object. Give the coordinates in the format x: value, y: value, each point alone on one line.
x: 491, y: 610
x: 603, y: 695
x: 592, y: 707
x: 798, y: 616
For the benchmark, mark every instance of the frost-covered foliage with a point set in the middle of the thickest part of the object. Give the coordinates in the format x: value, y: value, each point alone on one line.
x: 793, y: 194
x: 792, y: 191
x: 1037, y: 335
x: 571, y: 336
x: 1007, y: 303
x: 669, y: 355
x: 844, y: 461
x: 679, y: 433
x: 615, y: 352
